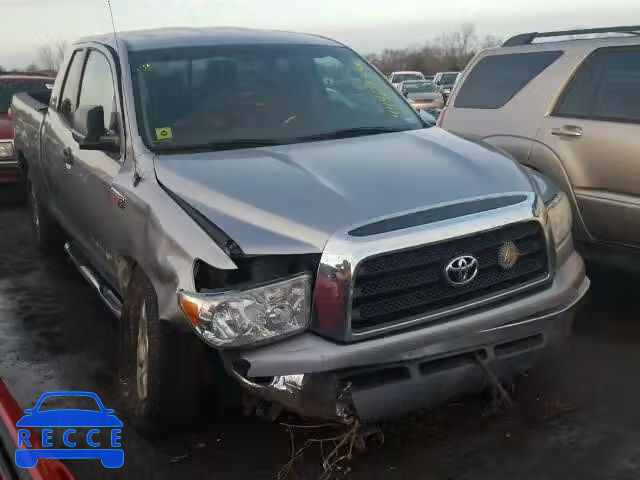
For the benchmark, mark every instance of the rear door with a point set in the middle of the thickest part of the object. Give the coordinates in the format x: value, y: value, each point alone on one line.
x: 58, y: 146
x: 595, y: 130
x: 90, y: 190
x: 502, y: 97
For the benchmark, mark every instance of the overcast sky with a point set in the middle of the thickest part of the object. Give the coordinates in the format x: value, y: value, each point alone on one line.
x: 366, y: 25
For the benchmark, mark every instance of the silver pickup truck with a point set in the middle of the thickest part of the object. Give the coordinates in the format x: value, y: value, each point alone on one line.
x: 334, y: 257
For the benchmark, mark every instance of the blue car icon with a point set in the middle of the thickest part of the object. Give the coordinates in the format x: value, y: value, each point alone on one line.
x: 27, y: 457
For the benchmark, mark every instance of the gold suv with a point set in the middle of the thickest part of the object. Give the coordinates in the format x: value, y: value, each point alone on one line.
x: 567, y: 104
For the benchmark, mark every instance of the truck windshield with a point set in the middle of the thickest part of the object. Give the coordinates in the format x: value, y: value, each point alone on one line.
x: 8, y: 88
x: 227, y: 97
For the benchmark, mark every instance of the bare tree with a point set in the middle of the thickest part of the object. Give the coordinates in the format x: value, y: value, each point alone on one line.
x: 449, y: 51
x: 32, y: 67
x: 457, y: 48
x: 50, y: 56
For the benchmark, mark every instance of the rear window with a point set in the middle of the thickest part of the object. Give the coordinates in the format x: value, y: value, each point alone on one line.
x: 498, y: 78
x: 448, y: 78
x: 8, y: 88
x: 403, y: 77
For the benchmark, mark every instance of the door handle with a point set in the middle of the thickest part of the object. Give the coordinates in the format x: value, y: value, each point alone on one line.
x: 567, y: 131
x: 67, y: 155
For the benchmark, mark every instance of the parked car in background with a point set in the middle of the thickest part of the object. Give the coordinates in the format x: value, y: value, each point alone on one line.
x: 337, y: 258
x: 396, y: 78
x: 444, y: 82
x: 421, y: 94
x: 429, y: 77
x: 10, y: 85
x: 577, y: 105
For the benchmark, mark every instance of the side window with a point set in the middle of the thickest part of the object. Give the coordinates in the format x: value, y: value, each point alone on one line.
x: 69, y: 96
x: 605, y: 87
x: 97, y: 86
x: 496, y: 79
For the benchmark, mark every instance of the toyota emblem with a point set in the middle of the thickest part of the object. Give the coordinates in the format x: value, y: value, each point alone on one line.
x: 461, y: 270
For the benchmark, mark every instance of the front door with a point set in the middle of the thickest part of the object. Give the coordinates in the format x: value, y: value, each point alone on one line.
x: 595, y: 130
x: 91, y: 191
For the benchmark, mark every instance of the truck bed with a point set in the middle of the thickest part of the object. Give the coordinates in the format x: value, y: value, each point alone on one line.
x: 29, y: 110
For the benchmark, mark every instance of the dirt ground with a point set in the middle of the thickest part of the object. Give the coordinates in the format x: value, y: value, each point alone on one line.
x: 576, y: 415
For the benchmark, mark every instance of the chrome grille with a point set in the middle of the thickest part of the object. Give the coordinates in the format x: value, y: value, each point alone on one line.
x: 392, y: 287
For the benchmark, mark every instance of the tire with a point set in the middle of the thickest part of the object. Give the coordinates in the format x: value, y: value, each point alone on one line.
x: 48, y: 236
x: 157, y: 364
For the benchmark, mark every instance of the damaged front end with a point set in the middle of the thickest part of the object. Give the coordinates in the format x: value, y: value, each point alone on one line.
x: 320, y: 396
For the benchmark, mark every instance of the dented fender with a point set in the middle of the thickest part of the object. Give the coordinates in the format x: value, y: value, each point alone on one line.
x: 160, y: 238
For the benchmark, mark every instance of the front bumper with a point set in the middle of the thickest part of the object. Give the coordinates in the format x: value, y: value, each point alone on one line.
x: 388, y: 376
x: 9, y: 172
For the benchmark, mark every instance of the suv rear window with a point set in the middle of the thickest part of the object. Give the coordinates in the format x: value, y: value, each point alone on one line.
x: 605, y: 87
x: 496, y: 79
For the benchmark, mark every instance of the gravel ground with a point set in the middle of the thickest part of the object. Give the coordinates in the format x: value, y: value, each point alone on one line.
x: 576, y: 415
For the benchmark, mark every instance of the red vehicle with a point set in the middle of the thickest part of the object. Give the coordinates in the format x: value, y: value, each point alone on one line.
x: 9, y: 85
x: 47, y: 469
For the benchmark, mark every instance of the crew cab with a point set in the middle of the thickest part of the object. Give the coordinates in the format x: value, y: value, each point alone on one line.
x: 336, y: 257
x: 10, y: 85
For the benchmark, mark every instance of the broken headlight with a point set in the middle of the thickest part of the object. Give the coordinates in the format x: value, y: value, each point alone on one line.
x: 235, y: 318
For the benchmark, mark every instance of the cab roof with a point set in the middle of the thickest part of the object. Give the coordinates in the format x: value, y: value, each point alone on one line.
x: 161, y: 38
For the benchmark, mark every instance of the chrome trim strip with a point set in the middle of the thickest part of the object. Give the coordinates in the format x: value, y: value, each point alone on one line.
x: 8, y: 163
x: 106, y: 294
x: 343, y: 253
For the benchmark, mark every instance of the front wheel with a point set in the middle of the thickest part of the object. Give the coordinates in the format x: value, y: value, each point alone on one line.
x: 157, y: 370
x: 47, y: 233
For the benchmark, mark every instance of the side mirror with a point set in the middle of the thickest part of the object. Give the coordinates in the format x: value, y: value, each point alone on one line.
x: 89, y: 131
x: 405, y: 93
x: 29, y: 411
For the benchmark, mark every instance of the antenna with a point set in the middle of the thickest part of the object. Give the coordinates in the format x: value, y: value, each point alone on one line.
x: 136, y: 175
x: 113, y: 23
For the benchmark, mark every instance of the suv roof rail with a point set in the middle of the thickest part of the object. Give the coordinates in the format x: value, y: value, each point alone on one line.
x: 527, y: 38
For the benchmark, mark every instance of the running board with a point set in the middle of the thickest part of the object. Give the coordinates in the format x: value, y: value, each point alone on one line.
x: 107, y: 295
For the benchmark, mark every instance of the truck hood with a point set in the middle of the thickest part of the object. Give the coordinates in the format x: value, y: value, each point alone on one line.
x: 290, y: 199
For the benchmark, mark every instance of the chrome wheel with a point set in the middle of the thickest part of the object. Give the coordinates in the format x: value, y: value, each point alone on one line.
x: 142, y: 355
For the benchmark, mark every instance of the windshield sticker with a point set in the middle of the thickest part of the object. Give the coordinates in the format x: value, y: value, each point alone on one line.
x: 145, y: 67
x: 380, y: 96
x: 164, y: 134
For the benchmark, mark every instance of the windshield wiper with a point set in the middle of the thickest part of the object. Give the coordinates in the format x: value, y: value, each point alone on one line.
x: 219, y: 146
x: 349, y: 133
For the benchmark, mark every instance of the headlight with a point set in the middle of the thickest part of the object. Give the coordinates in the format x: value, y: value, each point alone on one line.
x: 236, y: 318
x: 6, y: 149
x: 560, y: 218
